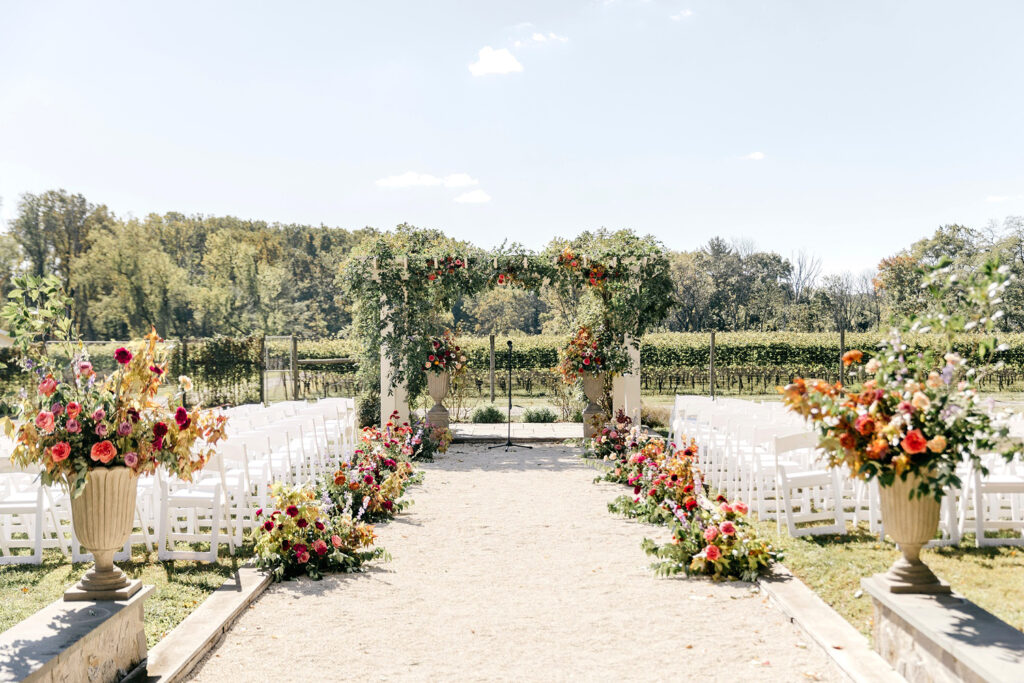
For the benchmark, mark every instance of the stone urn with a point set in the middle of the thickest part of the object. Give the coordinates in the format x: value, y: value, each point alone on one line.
x: 438, y: 384
x: 911, y: 522
x: 103, y: 515
x: 593, y: 387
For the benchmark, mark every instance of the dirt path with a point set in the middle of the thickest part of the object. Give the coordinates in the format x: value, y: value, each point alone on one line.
x: 510, y: 567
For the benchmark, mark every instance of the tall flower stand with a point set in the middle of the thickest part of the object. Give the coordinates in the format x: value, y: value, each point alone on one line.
x: 911, y: 522
x: 103, y: 516
x: 438, y: 384
x: 593, y: 387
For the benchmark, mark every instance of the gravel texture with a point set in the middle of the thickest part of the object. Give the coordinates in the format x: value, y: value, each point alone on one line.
x: 509, y: 566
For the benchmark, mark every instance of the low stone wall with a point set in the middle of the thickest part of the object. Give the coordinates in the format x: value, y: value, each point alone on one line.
x: 943, y: 638
x: 96, y: 642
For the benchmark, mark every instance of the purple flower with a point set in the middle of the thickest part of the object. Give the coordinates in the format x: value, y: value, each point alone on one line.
x: 101, y: 429
x: 124, y: 429
x: 947, y: 374
x: 131, y: 459
x: 74, y: 426
x: 56, y: 409
x: 98, y: 414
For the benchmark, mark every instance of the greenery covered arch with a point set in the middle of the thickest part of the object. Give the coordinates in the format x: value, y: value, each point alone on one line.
x: 404, y: 283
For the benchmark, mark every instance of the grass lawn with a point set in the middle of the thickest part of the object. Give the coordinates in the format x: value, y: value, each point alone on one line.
x: 180, y: 586
x: 833, y: 566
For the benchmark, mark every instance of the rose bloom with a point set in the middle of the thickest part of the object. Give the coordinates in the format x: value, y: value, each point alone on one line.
x: 74, y: 409
x: 710, y: 534
x: 185, y: 383
x: 103, y: 452
x: 48, y: 386
x: 44, y: 420
x: 56, y: 409
x: 728, y: 528
x: 123, y: 356
x: 336, y: 541
x: 101, y: 429
x: 725, y: 508
x: 61, y: 451
x: 914, y: 442
x: 920, y: 401
x: 131, y: 459
x: 937, y: 444
x: 292, y: 511
x: 319, y: 546
x: 181, y: 416
x: 741, y: 508
x: 160, y: 430
x: 712, y: 552
x: 74, y: 426
x: 98, y: 414
x: 302, y: 557
x: 864, y: 425
x: 85, y: 369
x: 124, y: 429
x: 847, y: 440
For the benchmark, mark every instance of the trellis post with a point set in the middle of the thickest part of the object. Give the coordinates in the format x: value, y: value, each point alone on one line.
x: 711, y: 365
x: 626, y: 388
x: 392, y: 398
x: 492, y: 368
x: 293, y: 366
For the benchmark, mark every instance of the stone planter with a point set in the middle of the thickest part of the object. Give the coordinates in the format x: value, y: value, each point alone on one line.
x: 593, y: 387
x: 103, y: 517
x: 911, y: 522
x: 438, y: 384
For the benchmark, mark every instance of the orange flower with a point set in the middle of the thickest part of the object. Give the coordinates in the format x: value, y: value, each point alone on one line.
x: 103, y: 452
x: 852, y: 356
x: 914, y: 442
x: 847, y: 441
x: 877, y: 449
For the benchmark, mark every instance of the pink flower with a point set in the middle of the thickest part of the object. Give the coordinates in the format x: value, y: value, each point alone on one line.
x: 74, y: 409
x: 156, y: 370
x: 98, y: 414
x: 319, y: 546
x: 740, y: 508
x: 74, y: 426
x: 61, y: 451
x: 44, y: 420
x: 124, y: 429
x: 131, y: 459
x: 48, y: 386
x: 712, y: 552
x: 728, y: 528
x: 302, y: 557
x: 85, y: 369
x: 725, y: 508
x: 101, y: 429
x: 710, y: 534
x: 336, y: 541
x: 56, y: 409
x: 123, y: 356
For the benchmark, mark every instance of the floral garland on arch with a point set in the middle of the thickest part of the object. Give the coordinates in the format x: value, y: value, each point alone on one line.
x: 77, y: 421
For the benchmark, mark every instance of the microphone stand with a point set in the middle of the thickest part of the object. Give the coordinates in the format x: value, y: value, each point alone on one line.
x: 508, y: 442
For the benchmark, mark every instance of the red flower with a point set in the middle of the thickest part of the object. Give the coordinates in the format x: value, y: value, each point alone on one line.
x: 123, y: 356
x: 44, y: 420
x: 60, y: 452
x: 302, y: 557
x: 160, y: 430
x: 302, y: 524
x: 268, y: 525
x: 74, y: 409
x: 690, y: 503
x: 286, y: 544
x: 103, y: 452
x: 292, y: 511
x: 847, y: 440
x: 319, y: 525
x: 156, y: 370
x: 181, y: 417
x: 713, y: 553
x: 914, y: 442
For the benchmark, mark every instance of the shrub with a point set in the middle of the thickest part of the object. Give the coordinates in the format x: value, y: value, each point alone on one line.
x: 654, y: 416
x: 539, y: 415
x: 577, y: 416
x: 488, y: 415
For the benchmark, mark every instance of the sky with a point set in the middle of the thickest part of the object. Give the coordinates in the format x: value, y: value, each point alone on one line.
x: 846, y: 129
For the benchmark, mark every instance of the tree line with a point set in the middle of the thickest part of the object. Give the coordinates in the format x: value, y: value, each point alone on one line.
x: 202, y: 276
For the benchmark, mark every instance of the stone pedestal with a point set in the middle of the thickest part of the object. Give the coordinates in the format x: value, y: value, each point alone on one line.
x: 97, y: 642
x: 933, y: 638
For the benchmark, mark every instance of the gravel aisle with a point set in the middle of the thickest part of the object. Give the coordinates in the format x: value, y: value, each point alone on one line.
x: 509, y: 566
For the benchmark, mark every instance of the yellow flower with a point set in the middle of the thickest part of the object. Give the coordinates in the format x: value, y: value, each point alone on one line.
x: 900, y: 463
x: 937, y: 444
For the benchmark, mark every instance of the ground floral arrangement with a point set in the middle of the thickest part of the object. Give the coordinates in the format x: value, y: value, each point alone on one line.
x: 711, y: 535
x: 327, y: 525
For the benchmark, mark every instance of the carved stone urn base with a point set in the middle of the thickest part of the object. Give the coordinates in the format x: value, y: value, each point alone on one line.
x: 911, y: 522
x: 438, y: 384
x: 593, y: 416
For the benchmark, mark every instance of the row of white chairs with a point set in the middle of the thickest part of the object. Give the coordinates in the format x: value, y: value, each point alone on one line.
x: 766, y: 455
x: 292, y: 442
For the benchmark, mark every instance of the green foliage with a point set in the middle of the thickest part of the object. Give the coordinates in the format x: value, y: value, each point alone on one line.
x: 488, y: 414
x: 539, y: 415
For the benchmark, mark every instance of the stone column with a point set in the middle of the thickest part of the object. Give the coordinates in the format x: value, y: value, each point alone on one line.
x: 626, y: 388
x: 391, y: 398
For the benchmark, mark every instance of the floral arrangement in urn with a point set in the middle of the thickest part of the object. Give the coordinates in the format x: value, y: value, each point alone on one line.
x: 591, y: 351
x: 919, y: 412
x: 73, y: 421
x: 444, y: 355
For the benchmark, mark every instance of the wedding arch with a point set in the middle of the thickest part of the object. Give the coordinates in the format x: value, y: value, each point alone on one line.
x: 404, y: 281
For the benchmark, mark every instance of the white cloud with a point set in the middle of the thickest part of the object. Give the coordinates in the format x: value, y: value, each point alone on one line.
x: 414, y: 179
x: 754, y: 156
x: 997, y: 198
x: 473, y: 197
x: 537, y: 37
x: 679, y: 16
x: 491, y: 61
